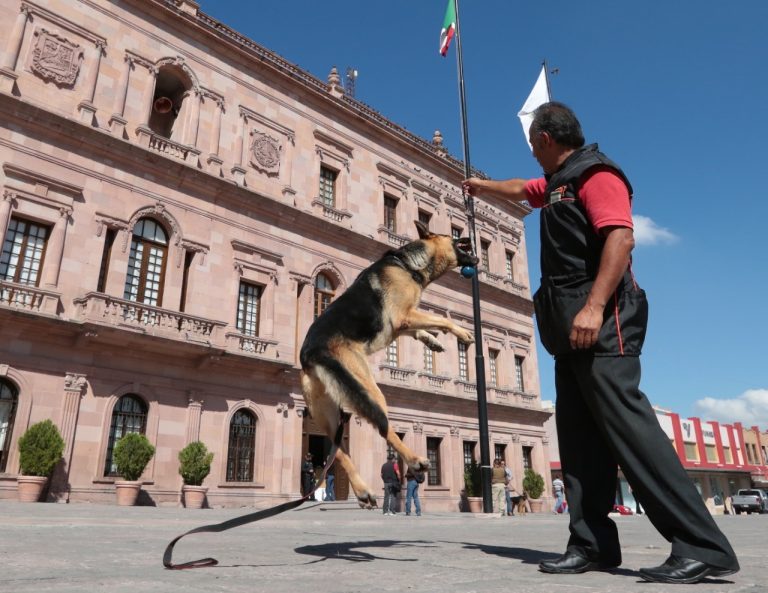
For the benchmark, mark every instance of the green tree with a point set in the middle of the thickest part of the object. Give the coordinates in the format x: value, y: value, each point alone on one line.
x: 533, y: 483
x: 195, y: 463
x: 132, y: 454
x: 472, y: 480
x: 40, y: 449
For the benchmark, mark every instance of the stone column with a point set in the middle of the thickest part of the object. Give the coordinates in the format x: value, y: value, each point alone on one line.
x: 55, y: 250
x: 8, y: 68
x: 214, y: 160
x: 86, y: 107
x: 194, y: 412
x: 238, y: 171
x: 5, y: 211
x: 195, y: 97
x: 144, y: 131
x: 75, y: 386
x: 117, y: 121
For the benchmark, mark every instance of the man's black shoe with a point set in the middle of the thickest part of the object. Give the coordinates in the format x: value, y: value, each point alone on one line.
x: 683, y: 571
x: 573, y: 563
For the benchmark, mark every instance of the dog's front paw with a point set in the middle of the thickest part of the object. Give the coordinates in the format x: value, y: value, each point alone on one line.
x: 464, y: 335
x: 420, y: 464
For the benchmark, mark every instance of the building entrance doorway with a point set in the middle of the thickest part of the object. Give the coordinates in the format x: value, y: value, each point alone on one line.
x: 319, y: 446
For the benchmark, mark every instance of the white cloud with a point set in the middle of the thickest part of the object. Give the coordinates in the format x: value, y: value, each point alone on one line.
x: 648, y: 232
x: 750, y: 408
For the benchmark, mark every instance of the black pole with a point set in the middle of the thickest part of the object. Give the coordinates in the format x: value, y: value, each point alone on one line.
x: 469, y: 202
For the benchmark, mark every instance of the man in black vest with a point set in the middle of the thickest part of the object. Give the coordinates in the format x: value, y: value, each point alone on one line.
x: 592, y: 318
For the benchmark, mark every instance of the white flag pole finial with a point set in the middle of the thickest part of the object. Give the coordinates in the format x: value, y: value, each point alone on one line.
x: 538, y: 96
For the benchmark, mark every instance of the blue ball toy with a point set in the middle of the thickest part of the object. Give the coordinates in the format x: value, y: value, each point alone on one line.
x: 468, y: 271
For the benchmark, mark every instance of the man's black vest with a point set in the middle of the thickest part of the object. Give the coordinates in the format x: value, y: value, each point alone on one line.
x: 570, y: 259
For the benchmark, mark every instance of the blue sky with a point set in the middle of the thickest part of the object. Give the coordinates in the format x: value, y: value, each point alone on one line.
x: 675, y: 92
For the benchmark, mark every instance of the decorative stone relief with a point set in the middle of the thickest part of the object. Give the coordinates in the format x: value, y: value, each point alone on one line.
x: 265, y: 152
x: 454, y: 431
x: 55, y: 58
x: 418, y: 428
x: 75, y: 382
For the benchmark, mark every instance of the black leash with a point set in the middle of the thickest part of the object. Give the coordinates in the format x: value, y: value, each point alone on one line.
x: 251, y: 517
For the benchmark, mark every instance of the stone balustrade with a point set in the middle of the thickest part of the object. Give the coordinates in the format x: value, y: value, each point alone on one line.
x: 28, y: 298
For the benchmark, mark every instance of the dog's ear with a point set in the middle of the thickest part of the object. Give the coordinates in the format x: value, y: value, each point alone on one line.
x: 423, y: 230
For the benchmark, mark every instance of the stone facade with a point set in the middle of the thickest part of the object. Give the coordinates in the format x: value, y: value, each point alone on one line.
x: 180, y: 201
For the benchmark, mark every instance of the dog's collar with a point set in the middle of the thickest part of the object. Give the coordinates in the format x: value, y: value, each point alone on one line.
x: 417, y: 276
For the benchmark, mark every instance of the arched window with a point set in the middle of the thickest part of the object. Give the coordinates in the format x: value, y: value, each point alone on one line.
x: 9, y: 397
x: 146, y: 265
x: 324, y: 292
x: 242, y: 446
x: 169, y: 101
x: 129, y: 415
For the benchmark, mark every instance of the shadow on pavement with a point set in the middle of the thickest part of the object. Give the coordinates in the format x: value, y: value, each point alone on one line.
x: 354, y: 551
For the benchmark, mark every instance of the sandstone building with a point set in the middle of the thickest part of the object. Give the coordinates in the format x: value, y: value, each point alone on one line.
x: 178, y: 203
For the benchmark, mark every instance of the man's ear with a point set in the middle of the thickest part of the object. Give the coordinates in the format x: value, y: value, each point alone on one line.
x: 423, y: 230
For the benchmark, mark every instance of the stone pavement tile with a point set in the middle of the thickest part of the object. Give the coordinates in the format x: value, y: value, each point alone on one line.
x: 86, y: 548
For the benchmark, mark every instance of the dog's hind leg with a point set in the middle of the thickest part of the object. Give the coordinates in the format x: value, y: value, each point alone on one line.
x: 327, y: 415
x: 357, y: 366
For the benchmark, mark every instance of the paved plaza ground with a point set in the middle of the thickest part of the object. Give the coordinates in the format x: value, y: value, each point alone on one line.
x: 329, y: 548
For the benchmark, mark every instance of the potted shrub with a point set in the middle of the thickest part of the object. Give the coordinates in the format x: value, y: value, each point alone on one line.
x: 533, y: 486
x: 194, y: 466
x: 473, y: 489
x: 131, y: 454
x: 40, y: 449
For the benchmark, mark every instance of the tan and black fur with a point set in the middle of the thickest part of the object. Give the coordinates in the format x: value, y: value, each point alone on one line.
x: 379, y: 306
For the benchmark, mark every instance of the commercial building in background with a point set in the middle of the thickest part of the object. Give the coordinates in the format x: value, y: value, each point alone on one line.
x: 720, y: 458
x: 178, y: 205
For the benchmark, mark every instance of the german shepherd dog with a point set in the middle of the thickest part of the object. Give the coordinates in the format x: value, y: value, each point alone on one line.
x: 378, y: 307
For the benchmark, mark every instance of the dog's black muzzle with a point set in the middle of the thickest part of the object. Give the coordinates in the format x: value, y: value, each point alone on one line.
x: 463, y: 249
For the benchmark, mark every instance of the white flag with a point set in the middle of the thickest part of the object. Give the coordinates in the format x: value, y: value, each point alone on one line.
x: 539, y: 95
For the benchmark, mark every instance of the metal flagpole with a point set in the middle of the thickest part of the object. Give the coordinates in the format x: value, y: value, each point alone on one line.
x: 469, y: 203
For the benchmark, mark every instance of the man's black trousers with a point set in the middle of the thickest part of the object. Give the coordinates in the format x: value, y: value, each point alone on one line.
x: 605, y: 421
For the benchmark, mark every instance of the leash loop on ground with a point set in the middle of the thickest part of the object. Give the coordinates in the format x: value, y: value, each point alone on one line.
x: 251, y: 517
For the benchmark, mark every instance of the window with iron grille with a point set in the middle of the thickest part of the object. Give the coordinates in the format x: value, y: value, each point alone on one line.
x: 485, y: 247
x: 146, y: 263
x: 424, y: 218
x: 392, y: 354
x: 390, y: 213
x: 469, y: 452
x: 242, y: 446
x: 527, y: 458
x: 23, y: 252
x: 324, y: 292
x: 493, y: 356
x: 500, y: 451
x: 433, y: 454
x: 9, y: 398
x: 463, y: 374
x: 455, y: 232
x: 328, y: 186
x: 129, y: 415
x: 519, y: 376
x: 429, y: 360
x: 248, y: 307
x: 509, y: 263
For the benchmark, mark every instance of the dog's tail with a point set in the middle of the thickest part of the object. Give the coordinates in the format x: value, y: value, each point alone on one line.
x: 342, y: 385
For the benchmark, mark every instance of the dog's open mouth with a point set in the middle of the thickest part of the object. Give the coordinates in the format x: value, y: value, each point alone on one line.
x: 464, y: 250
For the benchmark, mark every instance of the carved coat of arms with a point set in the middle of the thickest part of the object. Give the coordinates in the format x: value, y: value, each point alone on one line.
x: 55, y: 58
x: 265, y: 152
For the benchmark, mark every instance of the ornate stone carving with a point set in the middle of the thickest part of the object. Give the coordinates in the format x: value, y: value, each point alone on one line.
x: 418, y: 428
x: 515, y: 437
x: 54, y: 58
x: 454, y: 431
x: 265, y: 152
x: 75, y: 382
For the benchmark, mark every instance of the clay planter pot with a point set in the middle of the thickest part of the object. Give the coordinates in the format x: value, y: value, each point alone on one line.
x: 194, y: 496
x: 30, y: 487
x: 127, y: 492
x: 475, y: 504
x: 537, y: 504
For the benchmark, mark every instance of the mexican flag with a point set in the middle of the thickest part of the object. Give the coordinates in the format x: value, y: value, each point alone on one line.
x: 449, y: 28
